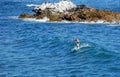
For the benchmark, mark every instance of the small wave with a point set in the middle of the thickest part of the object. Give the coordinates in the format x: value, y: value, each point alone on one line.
x: 31, y: 5
x: 104, y: 55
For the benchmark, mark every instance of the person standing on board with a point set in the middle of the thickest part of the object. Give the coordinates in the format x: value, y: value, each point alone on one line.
x: 77, y: 41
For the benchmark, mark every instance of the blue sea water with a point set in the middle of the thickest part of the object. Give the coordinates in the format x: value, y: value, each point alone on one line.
x: 35, y: 49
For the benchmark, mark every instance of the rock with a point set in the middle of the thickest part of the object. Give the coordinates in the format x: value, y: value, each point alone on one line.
x: 76, y: 13
x: 25, y: 15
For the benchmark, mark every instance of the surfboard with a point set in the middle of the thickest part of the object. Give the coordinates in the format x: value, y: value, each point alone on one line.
x: 82, y: 46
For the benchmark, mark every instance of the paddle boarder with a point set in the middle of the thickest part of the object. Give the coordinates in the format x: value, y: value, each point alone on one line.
x: 77, y: 41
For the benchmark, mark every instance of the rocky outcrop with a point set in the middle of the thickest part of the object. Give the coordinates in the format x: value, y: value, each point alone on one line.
x: 79, y: 13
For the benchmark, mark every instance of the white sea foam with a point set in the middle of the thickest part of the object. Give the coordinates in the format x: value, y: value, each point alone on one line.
x: 96, y: 22
x: 113, y: 25
x: 32, y: 5
x: 45, y: 19
x: 65, y: 21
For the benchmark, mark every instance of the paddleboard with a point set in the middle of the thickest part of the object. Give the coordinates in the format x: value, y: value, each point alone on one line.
x: 82, y: 46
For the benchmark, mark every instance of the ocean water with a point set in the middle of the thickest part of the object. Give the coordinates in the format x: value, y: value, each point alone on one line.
x: 43, y: 49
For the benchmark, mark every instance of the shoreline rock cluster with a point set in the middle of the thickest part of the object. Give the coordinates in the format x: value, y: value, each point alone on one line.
x: 73, y: 13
